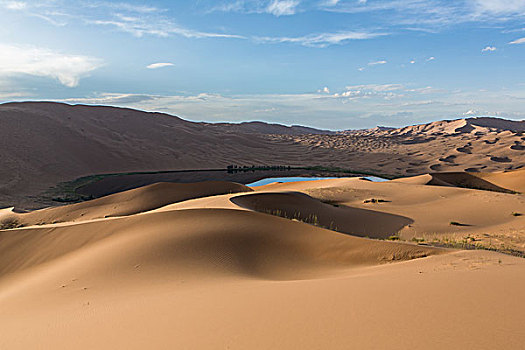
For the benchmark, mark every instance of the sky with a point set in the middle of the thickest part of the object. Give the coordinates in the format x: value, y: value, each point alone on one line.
x: 333, y: 64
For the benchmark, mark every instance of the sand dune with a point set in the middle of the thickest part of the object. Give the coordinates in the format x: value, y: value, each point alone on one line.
x: 199, y: 241
x: 443, y: 214
x: 45, y: 144
x: 299, y: 206
x: 505, y: 182
x: 479, y: 181
x: 121, y: 204
x: 511, y: 180
x: 449, y: 301
x: 332, y: 264
x: 183, y: 266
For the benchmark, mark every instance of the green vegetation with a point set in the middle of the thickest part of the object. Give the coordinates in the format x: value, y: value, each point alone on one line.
x: 455, y: 223
x: 10, y: 223
x: 67, y: 192
x: 470, y: 243
x: 374, y: 200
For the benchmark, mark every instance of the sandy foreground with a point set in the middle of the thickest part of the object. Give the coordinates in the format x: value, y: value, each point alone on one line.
x: 309, y: 265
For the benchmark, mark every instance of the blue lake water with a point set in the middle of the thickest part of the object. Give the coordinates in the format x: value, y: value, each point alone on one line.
x: 295, y: 179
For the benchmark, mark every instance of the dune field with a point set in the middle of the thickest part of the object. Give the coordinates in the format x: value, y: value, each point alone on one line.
x: 125, y: 229
x: 262, y: 174
x: 44, y: 144
x: 339, y: 264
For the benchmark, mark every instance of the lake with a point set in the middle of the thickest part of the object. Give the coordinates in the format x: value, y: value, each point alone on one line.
x: 297, y: 178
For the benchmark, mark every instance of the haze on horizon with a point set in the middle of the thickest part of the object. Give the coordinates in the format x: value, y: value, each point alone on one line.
x: 334, y: 64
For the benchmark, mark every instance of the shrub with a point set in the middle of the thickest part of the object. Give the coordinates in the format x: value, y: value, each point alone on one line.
x: 9, y: 223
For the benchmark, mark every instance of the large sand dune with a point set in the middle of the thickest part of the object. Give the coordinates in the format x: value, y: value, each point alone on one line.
x: 417, y: 262
x: 43, y: 144
x: 121, y: 204
x: 299, y: 206
x: 207, y: 273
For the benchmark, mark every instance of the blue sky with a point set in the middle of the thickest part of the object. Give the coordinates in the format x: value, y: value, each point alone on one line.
x: 324, y: 63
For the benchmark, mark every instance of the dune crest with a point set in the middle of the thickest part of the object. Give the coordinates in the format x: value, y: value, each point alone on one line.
x: 123, y: 203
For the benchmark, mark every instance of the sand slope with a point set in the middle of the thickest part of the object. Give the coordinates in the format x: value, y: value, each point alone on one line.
x: 512, y: 180
x: 507, y: 182
x: 210, y: 272
x: 211, y: 241
x: 43, y: 144
x: 121, y: 204
x: 227, y: 278
x: 299, y: 206
x: 447, y: 214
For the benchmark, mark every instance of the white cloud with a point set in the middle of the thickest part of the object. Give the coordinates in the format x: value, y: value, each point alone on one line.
x: 275, y: 7
x: 376, y: 87
x: 431, y: 58
x: 518, y: 41
x: 14, y: 5
x: 123, y: 6
x: 159, y: 65
x: 375, y: 104
x: 500, y: 6
x: 140, y: 26
x: 66, y: 68
x: 138, y: 20
x: 323, y: 39
x: 282, y: 7
x: 326, y: 90
x: 385, y: 91
x: 330, y: 3
x: 377, y: 63
x: 489, y: 49
x: 367, y: 91
x: 436, y: 14
x: 412, y: 62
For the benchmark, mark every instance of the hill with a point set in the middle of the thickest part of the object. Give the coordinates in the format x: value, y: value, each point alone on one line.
x: 43, y: 144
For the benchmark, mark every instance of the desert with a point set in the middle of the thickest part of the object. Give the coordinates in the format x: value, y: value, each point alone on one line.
x: 262, y: 174
x: 338, y: 263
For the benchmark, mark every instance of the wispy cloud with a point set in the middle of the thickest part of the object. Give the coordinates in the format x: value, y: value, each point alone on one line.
x: 500, y: 7
x: 376, y: 87
x: 322, y: 39
x: 274, y: 7
x: 376, y: 63
x: 123, y: 6
x: 14, y: 5
x: 282, y: 7
x: 431, y: 15
x: 42, y: 62
x: 159, y: 65
x: 142, y: 20
x: 161, y: 27
x: 138, y: 20
x: 489, y: 49
x: 518, y: 41
x: 385, y: 91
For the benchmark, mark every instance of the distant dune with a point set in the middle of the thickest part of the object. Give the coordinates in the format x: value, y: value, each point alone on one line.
x: 43, y: 144
x: 267, y: 128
